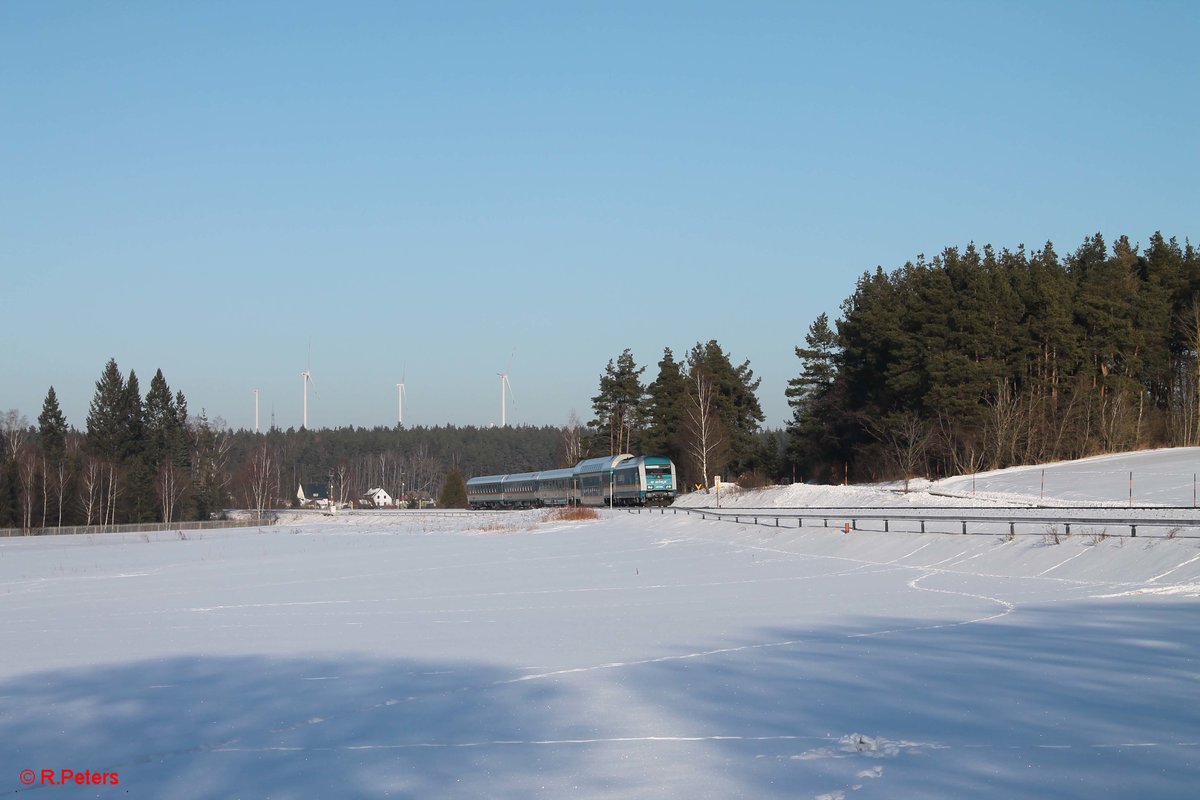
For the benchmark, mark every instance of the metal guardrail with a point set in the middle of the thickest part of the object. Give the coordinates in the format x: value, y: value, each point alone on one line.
x: 946, y: 521
x: 145, y: 527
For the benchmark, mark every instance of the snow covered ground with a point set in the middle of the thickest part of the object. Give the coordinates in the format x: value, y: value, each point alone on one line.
x: 655, y: 655
x: 1159, y: 478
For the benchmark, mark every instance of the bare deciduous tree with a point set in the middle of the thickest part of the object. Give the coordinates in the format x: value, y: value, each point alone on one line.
x: 1002, y: 424
x: 572, y: 441
x: 343, y: 475
x: 112, y: 487
x: 170, y: 482
x: 907, y: 438
x: 89, y: 489
x: 15, y: 428
x: 262, y: 470
x: 27, y: 477
x: 706, y: 443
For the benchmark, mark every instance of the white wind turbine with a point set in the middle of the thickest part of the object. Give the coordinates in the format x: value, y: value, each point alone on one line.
x: 505, y: 384
x: 400, y: 398
x: 308, y: 378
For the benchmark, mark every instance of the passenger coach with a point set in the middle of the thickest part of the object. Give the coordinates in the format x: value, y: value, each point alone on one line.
x: 623, y: 480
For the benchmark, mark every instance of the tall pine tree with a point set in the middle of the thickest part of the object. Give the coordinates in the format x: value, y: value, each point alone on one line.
x: 664, y: 410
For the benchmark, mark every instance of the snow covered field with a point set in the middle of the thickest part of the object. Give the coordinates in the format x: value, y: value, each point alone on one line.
x: 503, y: 655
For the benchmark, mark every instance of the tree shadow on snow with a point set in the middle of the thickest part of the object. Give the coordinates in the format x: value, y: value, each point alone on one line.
x: 279, y: 727
x: 1071, y: 700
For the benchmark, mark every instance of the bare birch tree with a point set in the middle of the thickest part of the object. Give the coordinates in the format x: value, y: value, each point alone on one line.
x: 89, y: 489
x: 262, y: 468
x: 170, y: 482
x: 572, y: 441
x: 706, y: 443
x: 113, y: 487
x: 15, y: 428
x: 27, y: 475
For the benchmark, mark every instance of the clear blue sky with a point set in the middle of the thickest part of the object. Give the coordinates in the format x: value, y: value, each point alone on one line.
x: 423, y: 187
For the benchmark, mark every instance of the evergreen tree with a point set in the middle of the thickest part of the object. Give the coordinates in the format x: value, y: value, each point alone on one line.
x: 664, y: 410
x: 618, y: 406
x: 454, y: 491
x: 160, y: 420
x: 179, y: 442
x: 167, y: 450
x: 52, y: 428
x: 52, y: 436
x: 106, y: 426
x: 139, y: 473
x: 811, y: 444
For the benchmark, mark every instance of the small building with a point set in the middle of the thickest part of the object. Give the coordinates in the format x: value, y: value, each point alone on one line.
x: 378, y: 498
x: 313, y: 495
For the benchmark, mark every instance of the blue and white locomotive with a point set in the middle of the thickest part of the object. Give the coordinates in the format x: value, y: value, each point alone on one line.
x: 623, y: 480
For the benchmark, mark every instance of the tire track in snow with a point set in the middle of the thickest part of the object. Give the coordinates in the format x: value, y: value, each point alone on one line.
x: 1006, y: 609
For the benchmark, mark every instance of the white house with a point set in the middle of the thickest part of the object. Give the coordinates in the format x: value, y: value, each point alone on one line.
x: 379, y: 498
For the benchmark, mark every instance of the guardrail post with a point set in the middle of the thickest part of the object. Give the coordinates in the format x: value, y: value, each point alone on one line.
x: 964, y: 522
x: 1068, y: 525
x: 1133, y: 531
x: 1012, y: 528
x: 885, y: 526
x: 922, y: 526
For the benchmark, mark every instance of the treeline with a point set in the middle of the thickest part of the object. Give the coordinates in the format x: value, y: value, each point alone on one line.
x: 144, y: 459
x: 141, y: 459
x: 982, y: 359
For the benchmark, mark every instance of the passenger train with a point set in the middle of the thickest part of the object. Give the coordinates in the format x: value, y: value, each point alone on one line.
x: 623, y: 480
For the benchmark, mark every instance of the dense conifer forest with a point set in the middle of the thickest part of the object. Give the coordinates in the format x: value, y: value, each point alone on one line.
x: 972, y: 359
x: 984, y: 359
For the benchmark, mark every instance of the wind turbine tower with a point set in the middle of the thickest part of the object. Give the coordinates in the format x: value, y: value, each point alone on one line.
x: 400, y: 404
x: 505, y: 384
x: 307, y: 376
x: 256, y: 410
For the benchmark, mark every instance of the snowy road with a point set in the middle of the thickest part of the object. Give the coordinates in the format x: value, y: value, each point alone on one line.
x: 634, y: 656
